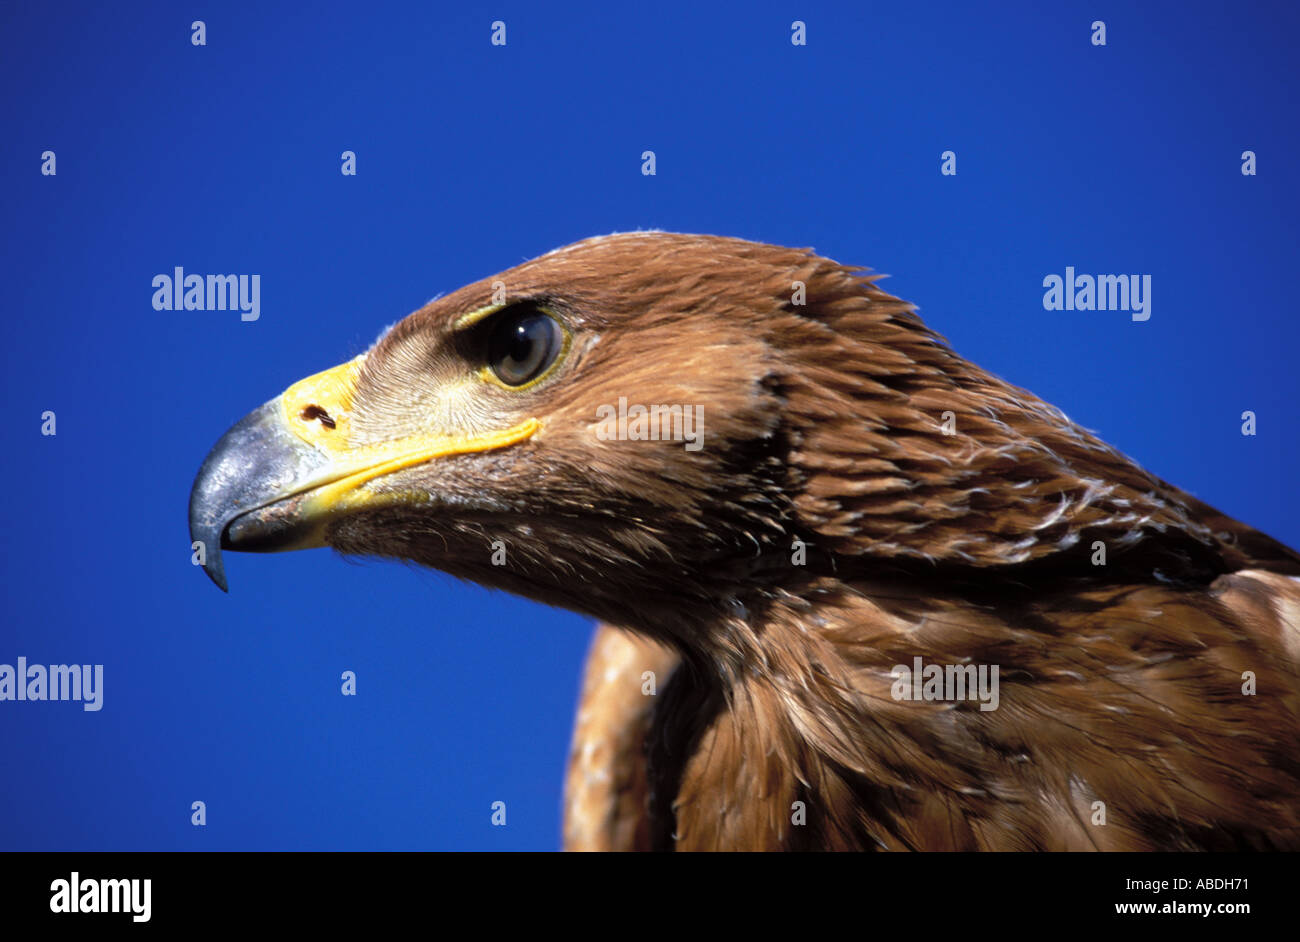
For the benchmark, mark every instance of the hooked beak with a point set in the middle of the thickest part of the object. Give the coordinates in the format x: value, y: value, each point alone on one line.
x: 282, y: 473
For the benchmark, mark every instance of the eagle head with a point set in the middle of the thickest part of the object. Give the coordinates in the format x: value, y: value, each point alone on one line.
x: 605, y: 425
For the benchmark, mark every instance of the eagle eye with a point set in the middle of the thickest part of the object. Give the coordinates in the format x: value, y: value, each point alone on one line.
x: 524, y: 343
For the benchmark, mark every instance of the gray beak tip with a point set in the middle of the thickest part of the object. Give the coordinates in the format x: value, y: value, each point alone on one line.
x: 217, y: 573
x: 213, y: 563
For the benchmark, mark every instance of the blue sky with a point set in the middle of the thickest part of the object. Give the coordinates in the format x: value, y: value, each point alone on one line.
x: 471, y: 158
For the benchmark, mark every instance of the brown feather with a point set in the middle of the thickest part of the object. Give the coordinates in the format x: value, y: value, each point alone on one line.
x: 606, y: 793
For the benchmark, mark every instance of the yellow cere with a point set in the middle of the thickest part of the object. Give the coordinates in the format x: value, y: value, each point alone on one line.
x: 329, y: 392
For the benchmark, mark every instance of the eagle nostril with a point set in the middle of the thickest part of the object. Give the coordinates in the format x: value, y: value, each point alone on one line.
x: 316, y: 412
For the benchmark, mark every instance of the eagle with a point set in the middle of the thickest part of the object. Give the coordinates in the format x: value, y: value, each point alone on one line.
x: 810, y: 533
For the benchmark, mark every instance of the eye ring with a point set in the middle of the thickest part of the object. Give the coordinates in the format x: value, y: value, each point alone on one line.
x: 524, y: 344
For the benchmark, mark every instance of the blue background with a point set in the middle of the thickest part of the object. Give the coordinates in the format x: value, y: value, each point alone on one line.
x: 471, y: 158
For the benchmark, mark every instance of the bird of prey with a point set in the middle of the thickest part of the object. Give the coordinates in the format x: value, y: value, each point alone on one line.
x: 810, y: 532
